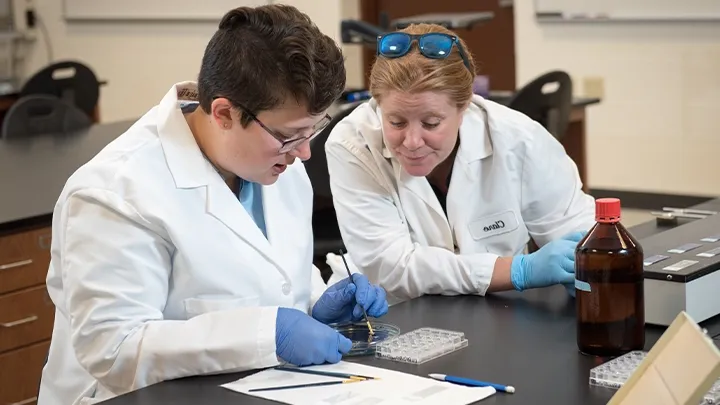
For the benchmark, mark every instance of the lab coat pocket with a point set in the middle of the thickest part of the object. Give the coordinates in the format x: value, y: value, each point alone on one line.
x: 202, y: 305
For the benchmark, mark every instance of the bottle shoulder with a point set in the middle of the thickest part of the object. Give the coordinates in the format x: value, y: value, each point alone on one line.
x: 609, y: 237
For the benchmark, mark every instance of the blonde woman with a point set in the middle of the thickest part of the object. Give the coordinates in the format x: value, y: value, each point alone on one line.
x: 438, y: 191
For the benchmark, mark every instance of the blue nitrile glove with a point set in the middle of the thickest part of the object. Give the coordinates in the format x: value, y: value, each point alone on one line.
x: 343, y: 301
x: 552, y: 264
x: 302, y: 341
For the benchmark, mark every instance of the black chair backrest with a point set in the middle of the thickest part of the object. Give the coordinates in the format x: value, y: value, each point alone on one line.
x: 549, y: 108
x: 42, y: 114
x: 71, y: 81
x: 316, y: 166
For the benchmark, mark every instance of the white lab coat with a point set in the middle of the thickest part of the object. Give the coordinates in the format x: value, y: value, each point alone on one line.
x: 157, y: 270
x: 511, y: 181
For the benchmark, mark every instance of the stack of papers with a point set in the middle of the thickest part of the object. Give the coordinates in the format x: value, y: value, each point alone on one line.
x: 392, y: 387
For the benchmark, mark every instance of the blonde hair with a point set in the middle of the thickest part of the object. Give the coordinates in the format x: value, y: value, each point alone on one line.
x: 415, y: 73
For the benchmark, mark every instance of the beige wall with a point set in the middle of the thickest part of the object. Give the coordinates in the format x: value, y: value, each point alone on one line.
x: 350, y: 10
x: 141, y: 61
x: 658, y: 127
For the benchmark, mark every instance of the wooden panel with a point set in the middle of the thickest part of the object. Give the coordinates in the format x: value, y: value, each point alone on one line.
x: 26, y: 317
x: 6, y: 102
x: 492, y: 43
x: 24, y: 259
x: 20, y: 373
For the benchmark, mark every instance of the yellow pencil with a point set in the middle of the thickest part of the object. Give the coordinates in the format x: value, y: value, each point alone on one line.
x: 319, y: 384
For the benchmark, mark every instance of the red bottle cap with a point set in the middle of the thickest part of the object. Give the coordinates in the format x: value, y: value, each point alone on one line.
x: 607, y: 210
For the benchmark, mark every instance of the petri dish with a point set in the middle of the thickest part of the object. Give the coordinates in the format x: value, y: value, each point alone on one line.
x: 363, y: 344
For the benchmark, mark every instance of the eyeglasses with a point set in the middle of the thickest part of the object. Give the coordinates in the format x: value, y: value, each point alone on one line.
x: 286, y: 145
x: 434, y: 45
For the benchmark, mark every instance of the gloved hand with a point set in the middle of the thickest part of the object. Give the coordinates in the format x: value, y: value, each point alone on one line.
x: 343, y: 301
x: 302, y: 341
x: 552, y: 264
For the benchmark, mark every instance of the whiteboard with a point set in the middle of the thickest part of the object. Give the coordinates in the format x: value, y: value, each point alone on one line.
x: 178, y: 10
x: 628, y: 10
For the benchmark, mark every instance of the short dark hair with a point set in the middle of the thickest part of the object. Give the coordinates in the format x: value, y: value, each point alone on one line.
x: 259, y: 56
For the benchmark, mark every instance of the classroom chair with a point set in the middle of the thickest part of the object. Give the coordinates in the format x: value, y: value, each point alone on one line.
x: 41, y: 114
x: 550, y: 107
x: 71, y: 81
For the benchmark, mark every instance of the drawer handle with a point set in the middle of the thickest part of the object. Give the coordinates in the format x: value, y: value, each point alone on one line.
x: 16, y: 264
x: 23, y: 321
x: 25, y: 401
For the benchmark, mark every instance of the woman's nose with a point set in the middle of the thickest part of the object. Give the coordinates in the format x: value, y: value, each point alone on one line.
x: 413, y: 139
x: 302, y: 151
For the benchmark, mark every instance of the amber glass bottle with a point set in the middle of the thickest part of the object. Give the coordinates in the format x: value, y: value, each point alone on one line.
x: 609, y: 288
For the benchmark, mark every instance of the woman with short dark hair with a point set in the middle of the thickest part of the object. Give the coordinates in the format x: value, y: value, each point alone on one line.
x: 185, y: 246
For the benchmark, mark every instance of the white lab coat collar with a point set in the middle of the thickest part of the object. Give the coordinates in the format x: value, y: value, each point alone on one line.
x: 190, y: 169
x: 475, y: 139
x: 186, y: 162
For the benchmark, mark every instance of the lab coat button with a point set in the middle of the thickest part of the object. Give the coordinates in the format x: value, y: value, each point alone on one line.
x: 286, y: 288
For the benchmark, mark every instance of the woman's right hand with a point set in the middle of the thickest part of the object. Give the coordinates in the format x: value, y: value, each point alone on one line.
x: 301, y: 340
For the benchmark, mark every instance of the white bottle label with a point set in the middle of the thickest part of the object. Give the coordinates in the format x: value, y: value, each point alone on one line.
x: 582, y: 285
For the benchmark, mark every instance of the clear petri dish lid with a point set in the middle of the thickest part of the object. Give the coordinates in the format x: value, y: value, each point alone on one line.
x: 363, y: 343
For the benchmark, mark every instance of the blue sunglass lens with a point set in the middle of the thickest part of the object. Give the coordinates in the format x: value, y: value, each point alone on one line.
x: 436, y: 46
x: 394, y: 45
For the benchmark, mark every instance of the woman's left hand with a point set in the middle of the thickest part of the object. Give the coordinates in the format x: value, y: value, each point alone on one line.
x: 345, y: 300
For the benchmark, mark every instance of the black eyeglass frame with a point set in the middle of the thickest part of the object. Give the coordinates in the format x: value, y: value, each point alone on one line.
x: 286, y: 145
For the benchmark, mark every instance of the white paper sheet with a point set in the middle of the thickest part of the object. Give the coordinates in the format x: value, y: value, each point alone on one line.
x: 392, y: 388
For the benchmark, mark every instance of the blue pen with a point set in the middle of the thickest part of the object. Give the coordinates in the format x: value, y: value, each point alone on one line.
x: 472, y: 383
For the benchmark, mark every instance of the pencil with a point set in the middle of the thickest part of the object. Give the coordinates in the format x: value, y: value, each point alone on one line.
x: 318, y: 384
x: 324, y: 373
x: 363, y: 308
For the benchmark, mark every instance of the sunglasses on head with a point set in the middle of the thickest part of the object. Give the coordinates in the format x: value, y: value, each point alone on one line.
x: 434, y: 45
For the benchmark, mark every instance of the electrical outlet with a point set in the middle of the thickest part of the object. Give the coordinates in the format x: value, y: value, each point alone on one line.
x: 594, y: 86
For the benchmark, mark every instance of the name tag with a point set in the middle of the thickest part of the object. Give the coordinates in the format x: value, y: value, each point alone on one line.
x: 491, y: 225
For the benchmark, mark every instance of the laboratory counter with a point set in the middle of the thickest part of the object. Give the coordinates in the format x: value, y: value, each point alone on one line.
x: 33, y: 170
x: 526, y: 340
x: 504, y: 97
